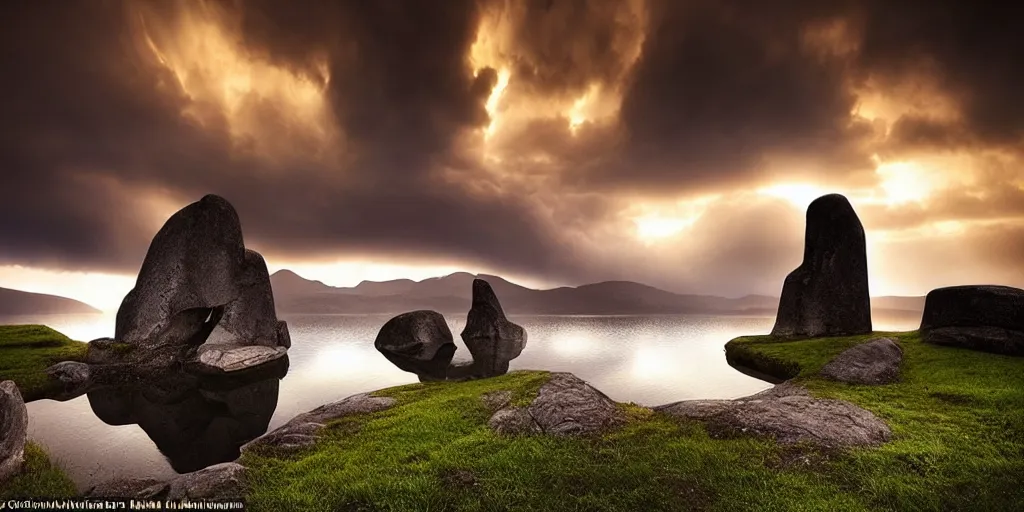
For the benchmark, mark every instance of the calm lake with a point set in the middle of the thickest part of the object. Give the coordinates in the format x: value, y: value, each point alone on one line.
x: 649, y: 360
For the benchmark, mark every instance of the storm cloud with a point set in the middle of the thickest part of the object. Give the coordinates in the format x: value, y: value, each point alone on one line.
x: 540, y: 138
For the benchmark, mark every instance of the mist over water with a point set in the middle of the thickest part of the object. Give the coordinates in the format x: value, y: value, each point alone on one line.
x: 649, y: 360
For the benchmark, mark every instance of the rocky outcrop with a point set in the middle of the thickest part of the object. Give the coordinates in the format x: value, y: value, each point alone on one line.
x: 827, y: 295
x: 301, y: 431
x: 565, y: 406
x: 199, y: 290
x: 219, y: 482
x: 13, y: 430
x: 985, y: 318
x: 873, y: 362
x: 419, y: 342
x: 788, y: 414
x: 490, y: 337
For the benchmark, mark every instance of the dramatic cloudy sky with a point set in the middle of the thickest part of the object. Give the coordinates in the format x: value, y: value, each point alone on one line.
x: 672, y: 142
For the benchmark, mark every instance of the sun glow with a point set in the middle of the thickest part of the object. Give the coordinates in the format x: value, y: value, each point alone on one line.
x: 904, y: 182
x: 799, y: 194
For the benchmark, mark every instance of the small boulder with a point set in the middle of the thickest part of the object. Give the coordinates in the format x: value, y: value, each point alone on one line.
x: 827, y: 295
x: 873, y: 362
x: 564, y: 406
x: 218, y: 482
x: 788, y: 414
x: 490, y: 337
x: 985, y: 318
x: 13, y: 430
x: 419, y: 342
x: 301, y: 431
x: 72, y: 377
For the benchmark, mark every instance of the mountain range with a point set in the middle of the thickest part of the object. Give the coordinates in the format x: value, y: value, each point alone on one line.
x: 17, y: 302
x: 452, y: 293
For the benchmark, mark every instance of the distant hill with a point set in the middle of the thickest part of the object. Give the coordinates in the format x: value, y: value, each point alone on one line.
x: 16, y: 302
x: 452, y: 293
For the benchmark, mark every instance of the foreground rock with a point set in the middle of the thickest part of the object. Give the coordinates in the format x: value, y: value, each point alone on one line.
x: 216, y: 359
x: 490, y: 337
x: 302, y: 430
x: 873, y: 362
x: 13, y: 430
x: 198, y: 285
x: 827, y: 295
x: 565, y: 406
x: 985, y: 318
x: 219, y: 482
x: 73, y: 377
x: 419, y: 342
x: 788, y: 414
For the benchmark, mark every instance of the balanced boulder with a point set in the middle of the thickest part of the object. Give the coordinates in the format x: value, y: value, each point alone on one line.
x: 198, y: 286
x: 13, y: 430
x: 419, y: 342
x: 827, y: 295
x: 874, y: 362
x: 490, y: 337
x: 985, y: 318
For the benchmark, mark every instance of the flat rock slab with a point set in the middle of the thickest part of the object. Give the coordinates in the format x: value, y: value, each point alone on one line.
x: 977, y: 317
x: 302, y: 430
x: 873, y: 362
x: 227, y: 359
x: 565, y: 406
x: 789, y: 415
x: 13, y: 429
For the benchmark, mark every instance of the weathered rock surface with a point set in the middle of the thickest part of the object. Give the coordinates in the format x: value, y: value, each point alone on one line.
x: 788, y: 414
x: 827, y: 295
x: 419, y: 342
x: 565, y: 405
x: 873, y: 362
x: 227, y: 358
x: 985, y: 318
x: 496, y: 400
x: 301, y: 431
x: 130, y: 488
x: 70, y: 374
x: 13, y: 430
x: 217, y: 482
x: 490, y: 337
x: 250, y: 319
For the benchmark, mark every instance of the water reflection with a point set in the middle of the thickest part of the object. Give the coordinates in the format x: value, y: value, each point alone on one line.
x: 195, y: 422
x: 648, y: 360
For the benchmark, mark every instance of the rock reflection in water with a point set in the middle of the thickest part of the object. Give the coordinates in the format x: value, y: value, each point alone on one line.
x: 195, y: 421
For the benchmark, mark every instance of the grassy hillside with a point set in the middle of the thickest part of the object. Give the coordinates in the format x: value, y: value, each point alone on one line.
x: 958, y: 422
x: 27, y: 350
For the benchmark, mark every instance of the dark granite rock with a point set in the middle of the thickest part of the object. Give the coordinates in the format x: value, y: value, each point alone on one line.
x: 13, y: 430
x: 190, y: 274
x: 490, y: 337
x: 565, y: 406
x: 73, y: 379
x: 788, y: 414
x: 827, y: 295
x: 130, y: 488
x: 985, y: 318
x: 419, y: 342
x: 873, y: 362
x: 301, y: 431
x: 251, y: 320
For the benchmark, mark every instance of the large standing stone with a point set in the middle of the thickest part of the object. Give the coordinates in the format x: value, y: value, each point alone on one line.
x: 986, y: 318
x: 419, y: 342
x: 827, y: 295
x: 874, y: 362
x: 13, y: 430
x: 490, y: 337
x: 199, y: 286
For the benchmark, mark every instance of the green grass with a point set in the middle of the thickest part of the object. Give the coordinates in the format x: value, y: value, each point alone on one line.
x: 958, y: 421
x: 39, y: 478
x: 27, y: 350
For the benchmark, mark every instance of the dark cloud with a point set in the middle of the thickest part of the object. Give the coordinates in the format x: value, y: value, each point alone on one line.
x: 96, y: 127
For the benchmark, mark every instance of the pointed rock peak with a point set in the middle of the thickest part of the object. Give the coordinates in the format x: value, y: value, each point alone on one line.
x: 484, y: 298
